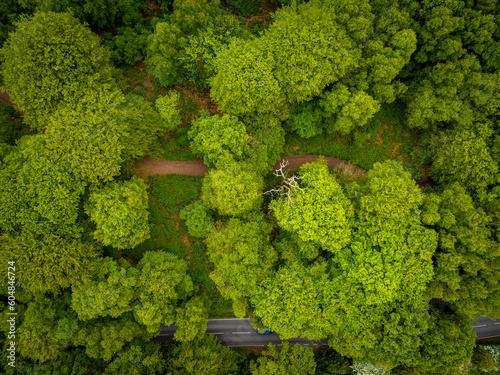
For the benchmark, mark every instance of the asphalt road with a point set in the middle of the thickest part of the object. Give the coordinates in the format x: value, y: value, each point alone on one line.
x: 239, y: 332
x: 486, y: 328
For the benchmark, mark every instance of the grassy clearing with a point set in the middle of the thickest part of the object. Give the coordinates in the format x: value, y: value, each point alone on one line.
x: 167, y: 196
x: 384, y: 137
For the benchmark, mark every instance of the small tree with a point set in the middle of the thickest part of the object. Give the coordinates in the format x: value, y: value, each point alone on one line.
x: 168, y: 108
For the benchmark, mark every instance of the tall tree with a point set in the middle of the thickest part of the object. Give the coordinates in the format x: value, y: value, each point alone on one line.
x: 93, y: 137
x: 290, y: 360
x: 468, y: 258
x: 205, y: 356
x: 316, y: 211
x: 120, y: 212
x: 37, y: 194
x: 50, y: 263
x: 52, y: 59
x: 242, y: 255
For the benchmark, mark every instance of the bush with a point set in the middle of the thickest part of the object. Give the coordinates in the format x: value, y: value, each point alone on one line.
x: 197, y: 219
x: 168, y: 108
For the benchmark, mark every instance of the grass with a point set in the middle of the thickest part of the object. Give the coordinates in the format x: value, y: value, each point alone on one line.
x: 384, y: 137
x: 167, y: 196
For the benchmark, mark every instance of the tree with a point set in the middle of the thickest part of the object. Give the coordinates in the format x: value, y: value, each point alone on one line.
x: 310, y: 49
x: 448, y: 345
x: 38, y: 195
x: 39, y: 83
x: 244, y: 83
x: 50, y: 263
x: 182, y: 47
x: 162, y: 284
x: 111, y: 293
x: 219, y: 140
x: 233, y: 190
x: 120, y: 212
x: 138, y: 358
x: 191, y: 318
x: 128, y: 45
x: 242, y: 256
x: 387, y: 197
x: 266, y: 147
x: 47, y: 328
x: 104, y: 338
x: 71, y: 362
x: 464, y: 157
x: 168, y: 108
x: 205, y: 356
x: 289, y: 301
x: 198, y: 220
x: 318, y: 211
x: 467, y: 259
x: 290, y: 360
x: 304, y: 120
x: 104, y: 129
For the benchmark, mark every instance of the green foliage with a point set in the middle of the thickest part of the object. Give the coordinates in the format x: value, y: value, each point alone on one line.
x: 464, y: 157
x: 104, y: 338
x: 289, y: 301
x: 198, y: 220
x: 389, y: 196
x: 38, y: 195
x: 219, y: 140
x: 63, y: 57
x: 467, y: 260
x: 329, y: 362
x: 103, y: 130
x: 266, y: 147
x: 483, y: 359
x: 320, y: 213
x: 49, y: 264
x: 244, y: 83
x: 137, y: 358
x: 182, y: 47
x: 47, y: 328
x: 191, y: 318
x: 242, y: 257
x: 448, y: 344
x: 305, y: 121
x: 162, y: 282
x: 290, y: 360
x: 10, y: 125
x: 233, y: 190
x: 119, y: 210
x: 205, y: 356
x: 106, y: 296
x: 168, y: 108
x: 73, y: 362
x: 128, y: 45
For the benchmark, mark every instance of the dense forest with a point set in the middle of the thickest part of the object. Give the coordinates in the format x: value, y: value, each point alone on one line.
x: 390, y: 256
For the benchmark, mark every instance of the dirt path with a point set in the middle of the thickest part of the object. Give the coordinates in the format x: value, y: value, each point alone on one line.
x: 5, y: 97
x: 150, y: 167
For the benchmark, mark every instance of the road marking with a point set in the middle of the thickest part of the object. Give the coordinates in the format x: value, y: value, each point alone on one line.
x: 497, y: 323
x: 214, y: 333
x: 482, y: 325
x: 241, y: 333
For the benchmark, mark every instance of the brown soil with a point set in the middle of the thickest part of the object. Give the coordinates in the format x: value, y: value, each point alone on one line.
x: 4, y: 97
x: 151, y: 167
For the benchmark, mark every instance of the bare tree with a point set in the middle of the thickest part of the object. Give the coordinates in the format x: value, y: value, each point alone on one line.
x: 288, y: 184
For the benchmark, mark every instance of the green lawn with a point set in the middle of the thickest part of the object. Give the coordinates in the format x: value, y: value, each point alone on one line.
x: 167, y: 196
